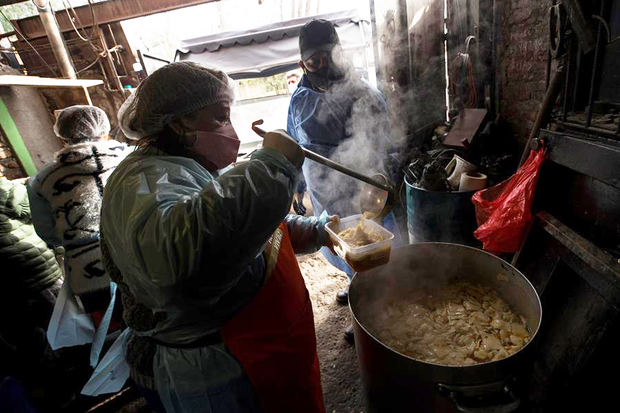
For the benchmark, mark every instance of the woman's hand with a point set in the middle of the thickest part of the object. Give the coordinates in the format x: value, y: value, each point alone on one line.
x: 283, y: 143
x: 328, y: 242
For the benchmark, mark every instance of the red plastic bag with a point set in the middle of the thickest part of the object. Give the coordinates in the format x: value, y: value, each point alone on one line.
x: 504, y: 211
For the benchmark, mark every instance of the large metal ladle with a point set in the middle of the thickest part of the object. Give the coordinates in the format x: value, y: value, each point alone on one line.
x: 377, y: 197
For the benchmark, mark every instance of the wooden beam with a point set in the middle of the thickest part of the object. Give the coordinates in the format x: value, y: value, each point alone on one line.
x: 107, y: 12
x: 596, y: 158
x: 36, y: 81
x: 590, y: 254
x: 9, y: 2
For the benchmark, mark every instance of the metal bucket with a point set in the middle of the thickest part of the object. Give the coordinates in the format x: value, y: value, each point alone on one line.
x: 396, y: 382
x: 440, y: 216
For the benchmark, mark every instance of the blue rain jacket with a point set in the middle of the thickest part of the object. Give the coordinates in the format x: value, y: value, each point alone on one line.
x: 352, y: 113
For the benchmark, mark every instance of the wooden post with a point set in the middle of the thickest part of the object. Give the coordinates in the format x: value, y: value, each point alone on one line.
x: 88, y: 99
x: 116, y: 82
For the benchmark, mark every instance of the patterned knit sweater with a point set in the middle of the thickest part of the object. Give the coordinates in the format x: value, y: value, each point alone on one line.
x: 66, y: 200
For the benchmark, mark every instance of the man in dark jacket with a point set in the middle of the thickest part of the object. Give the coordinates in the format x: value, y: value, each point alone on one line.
x: 22, y: 252
x: 31, y: 280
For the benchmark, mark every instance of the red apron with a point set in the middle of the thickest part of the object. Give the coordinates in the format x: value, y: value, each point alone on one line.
x: 273, y: 338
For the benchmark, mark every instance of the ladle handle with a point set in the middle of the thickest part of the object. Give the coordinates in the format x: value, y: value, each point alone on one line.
x: 331, y: 164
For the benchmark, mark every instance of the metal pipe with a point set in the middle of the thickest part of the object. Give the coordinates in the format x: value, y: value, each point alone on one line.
x: 331, y: 164
x: 56, y: 40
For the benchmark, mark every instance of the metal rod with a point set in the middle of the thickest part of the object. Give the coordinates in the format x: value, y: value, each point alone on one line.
x: 577, y: 72
x: 331, y: 164
x: 569, y: 60
x: 156, y: 58
x: 340, y: 168
x: 589, y: 129
x: 597, y: 52
x: 579, y: 24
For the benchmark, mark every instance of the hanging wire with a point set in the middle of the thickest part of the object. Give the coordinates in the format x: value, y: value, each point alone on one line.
x: 72, y: 22
x: 27, y: 42
x: 90, y: 38
x: 83, y: 35
x: 89, y: 65
x: 105, y: 51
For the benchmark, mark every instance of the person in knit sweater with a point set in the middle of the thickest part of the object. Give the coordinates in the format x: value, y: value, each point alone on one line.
x: 66, y: 195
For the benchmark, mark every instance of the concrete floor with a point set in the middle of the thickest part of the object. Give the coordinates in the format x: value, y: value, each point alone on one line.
x: 342, y: 386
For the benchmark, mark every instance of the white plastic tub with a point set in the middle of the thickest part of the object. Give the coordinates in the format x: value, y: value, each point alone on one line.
x: 367, y: 256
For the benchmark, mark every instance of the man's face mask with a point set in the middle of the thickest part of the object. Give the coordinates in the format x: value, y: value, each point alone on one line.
x: 217, y: 148
x: 322, y: 71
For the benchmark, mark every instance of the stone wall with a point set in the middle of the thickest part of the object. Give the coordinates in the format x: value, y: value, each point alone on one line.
x: 522, y: 62
x: 9, y: 166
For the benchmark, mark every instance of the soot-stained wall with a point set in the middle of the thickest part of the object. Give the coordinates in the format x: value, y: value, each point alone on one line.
x: 522, y: 62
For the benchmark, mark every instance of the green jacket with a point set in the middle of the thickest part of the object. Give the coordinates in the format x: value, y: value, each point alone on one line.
x: 24, y: 257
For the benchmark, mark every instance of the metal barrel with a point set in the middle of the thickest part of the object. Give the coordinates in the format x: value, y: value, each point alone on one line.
x: 440, y: 216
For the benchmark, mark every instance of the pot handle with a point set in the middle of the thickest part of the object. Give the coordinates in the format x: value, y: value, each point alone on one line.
x: 475, y: 403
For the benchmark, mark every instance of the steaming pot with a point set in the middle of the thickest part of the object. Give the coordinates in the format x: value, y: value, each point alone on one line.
x: 395, y: 382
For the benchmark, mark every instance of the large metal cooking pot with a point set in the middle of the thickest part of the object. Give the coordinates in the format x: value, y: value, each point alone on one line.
x: 395, y: 382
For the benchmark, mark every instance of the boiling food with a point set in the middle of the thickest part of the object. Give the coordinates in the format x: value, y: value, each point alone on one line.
x: 360, y: 235
x: 461, y: 324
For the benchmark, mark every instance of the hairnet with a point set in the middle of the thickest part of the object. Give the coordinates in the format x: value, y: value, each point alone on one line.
x: 81, y: 123
x: 170, y: 92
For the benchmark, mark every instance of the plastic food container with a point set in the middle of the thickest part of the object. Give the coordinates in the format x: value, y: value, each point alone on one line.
x: 367, y: 256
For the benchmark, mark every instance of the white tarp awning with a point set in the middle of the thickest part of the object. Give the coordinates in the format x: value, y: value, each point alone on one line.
x: 268, y: 50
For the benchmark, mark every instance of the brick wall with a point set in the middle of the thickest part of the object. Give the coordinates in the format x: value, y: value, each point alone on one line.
x: 9, y: 166
x: 522, y: 62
